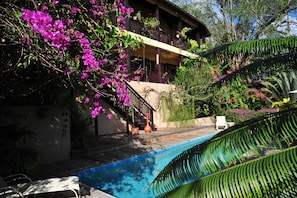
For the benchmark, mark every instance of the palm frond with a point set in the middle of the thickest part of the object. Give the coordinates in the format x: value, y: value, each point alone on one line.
x: 280, y: 85
x: 229, y: 147
x: 261, y: 46
x: 274, y: 175
x: 271, y: 90
x: 272, y: 87
x: 271, y: 66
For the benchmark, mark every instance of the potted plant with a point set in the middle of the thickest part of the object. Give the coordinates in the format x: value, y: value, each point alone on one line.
x: 149, y: 23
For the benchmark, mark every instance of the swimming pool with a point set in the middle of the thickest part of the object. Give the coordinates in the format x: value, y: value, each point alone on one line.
x: 132, y: 177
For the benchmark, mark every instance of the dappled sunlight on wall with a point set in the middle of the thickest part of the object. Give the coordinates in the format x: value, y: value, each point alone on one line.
x: 51, y: 126
x: 152, y: 93
x: 117, y: 123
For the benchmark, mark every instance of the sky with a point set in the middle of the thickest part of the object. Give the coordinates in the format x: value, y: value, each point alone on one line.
x: 292, y: 16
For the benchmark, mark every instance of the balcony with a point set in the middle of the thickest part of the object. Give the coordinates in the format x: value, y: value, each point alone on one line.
x: 154, y: 33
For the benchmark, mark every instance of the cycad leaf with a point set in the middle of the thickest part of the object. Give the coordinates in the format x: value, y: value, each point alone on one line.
x: 272, y: 66
x: 280, y: 85
x: 229, y: 147
x: 262, y: 46
x: 274, y: 175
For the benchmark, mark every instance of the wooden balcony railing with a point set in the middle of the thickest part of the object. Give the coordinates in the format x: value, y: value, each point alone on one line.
x: 138, y: 28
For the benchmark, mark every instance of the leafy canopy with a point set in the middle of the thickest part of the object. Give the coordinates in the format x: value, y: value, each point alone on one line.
x: 82, y: 42
x: 232, y: 20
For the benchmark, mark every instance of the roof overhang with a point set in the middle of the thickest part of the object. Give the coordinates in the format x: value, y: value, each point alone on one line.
x: 185, y: 16
x: 161, y: 45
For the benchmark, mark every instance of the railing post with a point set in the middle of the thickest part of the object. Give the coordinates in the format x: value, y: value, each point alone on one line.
x: 127, y: 122
x: 140, y: 105
x: 152, y: 120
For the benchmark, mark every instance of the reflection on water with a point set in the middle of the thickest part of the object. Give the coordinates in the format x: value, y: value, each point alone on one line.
x: 132, y: 177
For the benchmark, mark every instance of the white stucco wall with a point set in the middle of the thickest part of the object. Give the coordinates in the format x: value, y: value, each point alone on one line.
x: 117, y: 124
x: 52, y: 141
x: 152, y: 93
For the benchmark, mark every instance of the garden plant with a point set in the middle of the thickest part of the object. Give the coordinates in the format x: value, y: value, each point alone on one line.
x: 64, y: 53
x: 81, y: 43
x: 256, y: 157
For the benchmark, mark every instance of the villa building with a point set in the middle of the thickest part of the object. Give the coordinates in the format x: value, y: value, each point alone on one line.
x: 164, y: 45
x: 160, y: 26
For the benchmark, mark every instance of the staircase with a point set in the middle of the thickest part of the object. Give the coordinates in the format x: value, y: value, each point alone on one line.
x: 135, y: 115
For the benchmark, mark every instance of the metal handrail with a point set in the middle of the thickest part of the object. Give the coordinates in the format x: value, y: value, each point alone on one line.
x: 140, y: 105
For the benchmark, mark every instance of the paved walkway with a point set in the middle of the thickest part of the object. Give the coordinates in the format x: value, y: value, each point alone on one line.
x: 118, y: 147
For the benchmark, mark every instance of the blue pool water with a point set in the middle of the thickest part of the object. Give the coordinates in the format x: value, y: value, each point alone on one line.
x: 132, y: 177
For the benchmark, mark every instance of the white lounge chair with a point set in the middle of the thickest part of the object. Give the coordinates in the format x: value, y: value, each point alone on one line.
x: 221, y: 122
x: 8, y: 185
x: 51, y: 185
x: 8, y: 191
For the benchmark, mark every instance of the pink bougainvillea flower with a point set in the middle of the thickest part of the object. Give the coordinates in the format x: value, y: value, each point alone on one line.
x: 70, y: 21
x: 97, y: 44
x: 62, y: 33
x: 79, y: 35
x: 108, y: 116
x: 87, y: 100
x: 130, y: 10
x: 94, y: 113
x: 74, y: 10
x: 67, y: 72
x: 84, y: 76
x: 26, y: 40
x: 97, y: 95
x: 44, y: 8
x: 136, y: 78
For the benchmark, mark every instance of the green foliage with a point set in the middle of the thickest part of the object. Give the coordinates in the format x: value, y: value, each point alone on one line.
x: 267, y: 56
x: 179, y: 110
x: 231, y: 152
x: 238, y: 95
x: 241, y: 115
x: 87, y: 48
x: 192, y: 81
x: 279, y: 86
x: 224, y: 81
x: 149, y: 23
x: 270, y: 46
x: 231, y: 21
x: 270, y: 66
x: 278, y: 168
x: 183, y: 32
x: 219, y: 167
x: 208, y: 100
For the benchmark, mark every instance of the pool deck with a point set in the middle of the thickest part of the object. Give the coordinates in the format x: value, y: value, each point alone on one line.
x: 117, y: 147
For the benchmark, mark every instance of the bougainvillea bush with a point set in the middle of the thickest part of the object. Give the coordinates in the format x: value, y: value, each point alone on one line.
x: 82, y: 40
